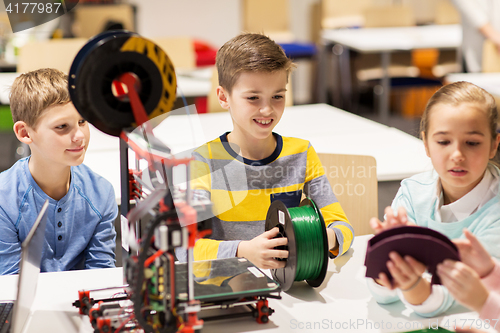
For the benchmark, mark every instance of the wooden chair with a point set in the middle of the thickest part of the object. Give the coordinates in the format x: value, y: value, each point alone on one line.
x: 5, y: 28
x: 446, y: 13
x: 423, y: 10
x: 447, y: 61
x: 269, y: 17
x: 367, y: 70
x: 91, y: 19
x: 180, y: 50
x: 213, y: 102
x: 368, y: 66
x: 433, y: 11
x: 272, y: 18
x: 491, y: 57
x: 388, y: 16
x: 341, y: 14
x: 60, y: 53
x: 53, y: 53
x: 354, y: 181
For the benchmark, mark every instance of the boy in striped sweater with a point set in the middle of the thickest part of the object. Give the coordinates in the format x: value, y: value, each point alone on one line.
x: 244, y: 170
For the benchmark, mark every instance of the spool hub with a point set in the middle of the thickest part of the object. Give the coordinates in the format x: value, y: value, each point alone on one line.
x: 102, y: 61
x: 278, y: 215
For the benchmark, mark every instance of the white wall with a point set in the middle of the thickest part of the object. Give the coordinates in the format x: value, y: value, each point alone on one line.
x: 215, y: 21
x: 300, y: 18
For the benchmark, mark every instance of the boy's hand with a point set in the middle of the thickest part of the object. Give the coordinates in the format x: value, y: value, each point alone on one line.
x: 407, y: 276
x: 260, y: 250
x: 332, y: 239
x: 474, y: 255
x: 463, y: 283
x: 391, y: 220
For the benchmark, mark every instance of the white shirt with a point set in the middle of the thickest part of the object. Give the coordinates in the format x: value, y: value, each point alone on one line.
x: 469, y: 203
x: 453, y: 212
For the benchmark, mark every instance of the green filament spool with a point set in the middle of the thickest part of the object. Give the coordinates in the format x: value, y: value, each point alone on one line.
x: 307, y: 247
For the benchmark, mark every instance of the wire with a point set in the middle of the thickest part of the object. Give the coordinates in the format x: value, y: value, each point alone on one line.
x: 150, y: 260
x: 137, y: 296
x: 181, y: 321
x: 143, y: 183
x: 122, y: 325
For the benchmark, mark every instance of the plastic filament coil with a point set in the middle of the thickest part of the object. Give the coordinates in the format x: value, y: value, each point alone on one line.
x: 307, y: 247
x: 102, y: 61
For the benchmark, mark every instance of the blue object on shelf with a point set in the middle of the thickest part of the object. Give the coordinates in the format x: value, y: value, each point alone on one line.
x: 299, y: 49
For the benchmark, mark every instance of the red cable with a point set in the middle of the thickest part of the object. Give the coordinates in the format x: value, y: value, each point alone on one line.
x: 150, y: 260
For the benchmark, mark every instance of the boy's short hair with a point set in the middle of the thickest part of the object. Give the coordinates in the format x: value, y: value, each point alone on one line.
x: 33, y: 92
x: 249, y: 52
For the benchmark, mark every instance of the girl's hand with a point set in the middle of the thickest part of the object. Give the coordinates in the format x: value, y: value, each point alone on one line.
x: 391, y: 220
x: 463, y: 283
x: 474, y: 255
x: 260, y: 250
x: 405, y: 272
x: 407, y: 276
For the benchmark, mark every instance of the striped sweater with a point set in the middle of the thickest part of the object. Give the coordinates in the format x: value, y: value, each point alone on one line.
x: 241, y: 192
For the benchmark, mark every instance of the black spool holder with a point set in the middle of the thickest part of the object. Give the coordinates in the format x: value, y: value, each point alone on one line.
x: 103, y: 60
x: 279, y: 216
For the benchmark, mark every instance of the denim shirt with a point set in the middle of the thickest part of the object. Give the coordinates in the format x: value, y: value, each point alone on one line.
x: 80, y: 230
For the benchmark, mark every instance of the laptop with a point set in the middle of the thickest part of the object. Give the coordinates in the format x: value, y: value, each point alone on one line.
x: 31, y: 256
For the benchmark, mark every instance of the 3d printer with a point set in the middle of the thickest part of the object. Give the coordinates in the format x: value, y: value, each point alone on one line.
x: 119, y: 82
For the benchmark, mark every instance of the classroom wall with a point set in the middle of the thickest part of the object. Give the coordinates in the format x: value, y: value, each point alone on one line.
x: 214, y: 21
x: 300, y: 18
x: 217, y: 21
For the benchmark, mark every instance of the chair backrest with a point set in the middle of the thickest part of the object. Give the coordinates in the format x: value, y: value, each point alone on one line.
x: 5, y: 28
x: 423, y: 10
x: 266, y: 16
x: 180, y: 50
x: 92, y: 19
x: 491, y: 58
x: 354, y: 181
x: 212, y: 100
x: 446, y: 13
x: 213, y: 104
x: 368, y: 66
x: 340, y: 13
x: 388, y: 16
x: 52, y: 53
